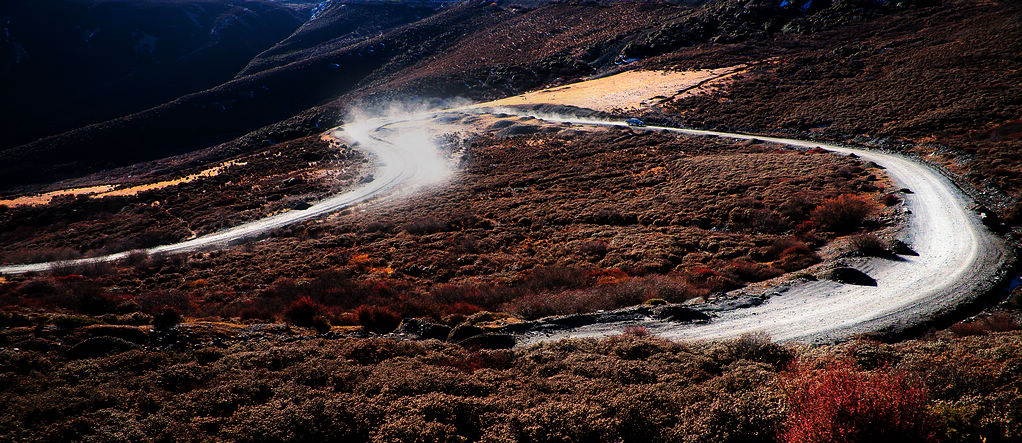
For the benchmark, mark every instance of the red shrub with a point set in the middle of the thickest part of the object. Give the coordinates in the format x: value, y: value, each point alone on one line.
x: 796, y: 250
x: 461, y: 308
x: 483, y: 296
x: 842, y: 405
x: 796, y: 256
x: 609, y: 276
x: 891, y: 199
x: 710, y: 280
x: 378, y: 319
x: 703, y: 273
x: 843, y: 213
x: 303, y: 312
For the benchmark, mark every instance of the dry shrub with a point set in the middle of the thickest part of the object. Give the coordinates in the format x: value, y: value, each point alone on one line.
x: 593, y: 247
x: 839, y: 404
x: 756, y: 220
x: 625, y: 292
x: 482, y: 359
x: 425, y: 225
x: 156, y: 302
x: 88, y: 298
x: 749, y: 271
x: 890, y: 199
x: 544, y: 278
x: 757, y: 347
x: 869, y: 245
x: 304, y: 312
x: 540, y: 305
x: 137, y: 260
x: 166, y: 319
x: 610, y: 216
x: 796, y: 208
x: 844, y: 213
x: 283, y: 289
x: 640, y: 289
x: 998, y: 322
x: 378, y: 319
x: 90, y: 269
x: 636, y: 331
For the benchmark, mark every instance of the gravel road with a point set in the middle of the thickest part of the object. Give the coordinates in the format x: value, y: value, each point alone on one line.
x: 959, y: 259
x: 405, y: 159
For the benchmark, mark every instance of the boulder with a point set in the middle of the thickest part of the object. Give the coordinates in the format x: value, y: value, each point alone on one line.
x: 851, y: 276
x: 572, y: 321
x: 423, y: 329
x: 464, y: 331
x: 679, y: 313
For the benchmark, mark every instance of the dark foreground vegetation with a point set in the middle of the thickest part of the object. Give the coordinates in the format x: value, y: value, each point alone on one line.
x: 62, y: 381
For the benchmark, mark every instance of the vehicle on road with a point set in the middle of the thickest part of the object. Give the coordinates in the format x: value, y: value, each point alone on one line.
x: 635, y: 122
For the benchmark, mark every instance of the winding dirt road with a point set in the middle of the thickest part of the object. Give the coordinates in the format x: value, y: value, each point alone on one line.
x: 958, y: 257
x: 402, y: 163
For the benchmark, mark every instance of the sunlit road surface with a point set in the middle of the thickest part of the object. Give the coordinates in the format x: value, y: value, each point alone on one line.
x: 402, y: 163
x: 959, y: 259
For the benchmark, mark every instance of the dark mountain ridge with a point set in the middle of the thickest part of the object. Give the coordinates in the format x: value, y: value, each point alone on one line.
x: 474, y: 49
x: 67, y: 63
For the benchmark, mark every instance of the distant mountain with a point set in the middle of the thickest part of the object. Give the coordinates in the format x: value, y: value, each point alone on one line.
x: 66, y: 63
x: 335, y: 24
x: 301, y: 80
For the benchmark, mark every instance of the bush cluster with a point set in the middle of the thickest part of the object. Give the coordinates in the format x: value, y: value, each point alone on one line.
x: 631, y: 387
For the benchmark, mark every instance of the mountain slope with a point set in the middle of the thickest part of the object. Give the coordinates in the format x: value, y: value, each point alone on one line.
x: 474, y: 49
x: 95, y: 60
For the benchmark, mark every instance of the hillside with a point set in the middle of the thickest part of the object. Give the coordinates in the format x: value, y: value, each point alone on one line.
x: 788, y: 221
x: 68, y: 63
x: 472, y: 49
